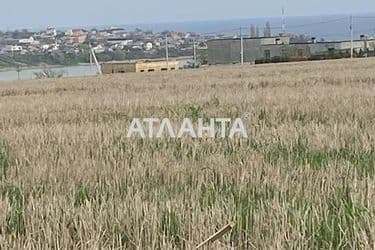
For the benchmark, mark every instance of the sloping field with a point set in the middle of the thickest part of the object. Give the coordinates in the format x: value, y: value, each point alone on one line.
x: 69, y: 177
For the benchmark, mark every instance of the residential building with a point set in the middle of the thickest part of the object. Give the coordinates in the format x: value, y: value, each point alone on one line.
x: 27, y: 41
x: 227, y: 51
x: 13, y: 48
x: 279, y: 49
x: 156, y: 65
x: 76, y: 36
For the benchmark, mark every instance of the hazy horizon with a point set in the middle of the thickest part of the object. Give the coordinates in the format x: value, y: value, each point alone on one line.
x: 38, y: 14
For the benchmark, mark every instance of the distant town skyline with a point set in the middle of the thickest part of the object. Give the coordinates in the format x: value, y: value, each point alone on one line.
x: 68, y: 13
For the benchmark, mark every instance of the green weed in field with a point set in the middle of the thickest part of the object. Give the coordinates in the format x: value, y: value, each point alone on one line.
x: 15, y: 222
x: 4, y: 160
x: 170, y: 228
x: 81, y: 195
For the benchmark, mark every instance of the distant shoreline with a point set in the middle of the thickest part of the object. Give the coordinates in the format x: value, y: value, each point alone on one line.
x: 6, y: 69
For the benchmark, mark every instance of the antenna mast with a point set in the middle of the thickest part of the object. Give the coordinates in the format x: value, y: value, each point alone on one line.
x: 283, y: 24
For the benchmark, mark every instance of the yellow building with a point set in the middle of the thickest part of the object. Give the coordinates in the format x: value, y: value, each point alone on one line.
x: 139, y: 66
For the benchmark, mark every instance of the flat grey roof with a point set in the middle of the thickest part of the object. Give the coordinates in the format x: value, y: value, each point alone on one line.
x: 248, y: 38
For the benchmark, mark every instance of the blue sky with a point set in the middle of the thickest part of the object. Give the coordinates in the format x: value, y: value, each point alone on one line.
x: 68, y: 13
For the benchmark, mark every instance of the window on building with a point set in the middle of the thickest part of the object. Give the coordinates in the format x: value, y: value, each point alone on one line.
x: 300, y: 52
x: 267, y: 54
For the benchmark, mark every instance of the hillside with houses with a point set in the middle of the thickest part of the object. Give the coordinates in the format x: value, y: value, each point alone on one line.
x: 70, y: 47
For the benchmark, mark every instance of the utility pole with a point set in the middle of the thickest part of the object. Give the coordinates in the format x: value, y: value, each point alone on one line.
x: 166, y: 51
x: 195, y: 53
x: 18, y: 71
x: 241, y: 45
x: 351, y: 37
x: 95, y: 60
x: 91, y: 61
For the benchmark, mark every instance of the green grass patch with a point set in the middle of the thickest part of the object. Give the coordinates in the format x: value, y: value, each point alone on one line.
x: 4, y: 160
x: 300, y: 154
x: 15, y: 219
x: 82, y: 194
x: 170, y: 227
x: 339, y: 224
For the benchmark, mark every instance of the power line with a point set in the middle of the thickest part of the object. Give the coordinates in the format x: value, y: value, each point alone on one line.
x: 277, y: 27
x: 333, y: 34
x: 322, y: 22
x: 312, y: 24
x: 306, y: 24
x: 219, y: 32
x: 238, y: 30
x: 364, y: 31
x: 364, y: 17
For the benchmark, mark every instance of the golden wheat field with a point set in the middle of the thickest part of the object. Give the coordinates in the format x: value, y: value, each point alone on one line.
x: 304, y: 179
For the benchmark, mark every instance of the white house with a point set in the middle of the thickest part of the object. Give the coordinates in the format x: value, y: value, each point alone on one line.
x: 99, y: 49
x: 148, y: 46
x: 50, y: 32
x: 13, y: 48
x: 27, y: 41
x: 69, y: 32
x: 50, y: 47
